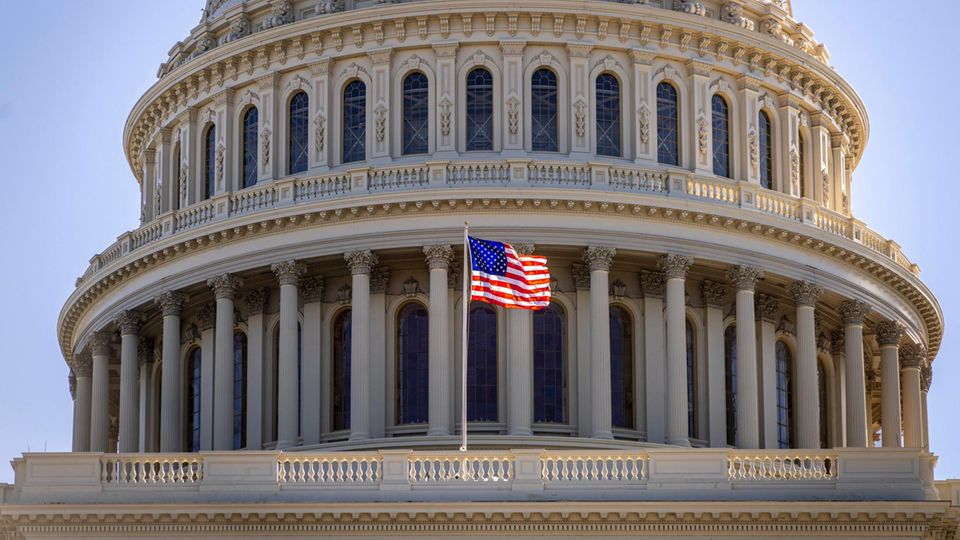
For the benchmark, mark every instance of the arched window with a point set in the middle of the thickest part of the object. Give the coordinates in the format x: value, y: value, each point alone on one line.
x: 784, y: 396
x: 193, y: 400
x: 691, y: 381
x: 298, y: 133
x: 668, y: 123
x: 608, y: 115
x: 801, y: 163
x: 479, y: 109
x: 412, y: 369
x: 824, y: 413
x: 482, y: 365
x: 721, y: 136
x: 355, y: 122
x: 341, y: 369
x: 178, y: 169
x: 621, y: 368
x: 543, y: 111
x: 550, y: 365
x: 239, y: 390
x: 416, y: 117
x: 766, y: 151
x: 250, y: 122
x: 210, y: 163
x: 730, y: 382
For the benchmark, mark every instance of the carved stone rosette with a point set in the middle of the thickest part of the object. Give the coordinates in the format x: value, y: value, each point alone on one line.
x: 101, y: 343
x: 744, y: 278
x: 805, y: 293
x: 854, y: 311
x: 379, y: 279
x: 256, y: 300
x: 838, y: 342
x: 83, y: 364
x: 889, y: 333
x: 599, y: 257
x: 714, y: 294
x: 289, y: 272
x: 675, y: 266
x: 170, y: 303
x: 207, y: 317
x: 225, y: 286
x: 361, y: 262
x: 311, y: 289
x: 581, y: 276
x: 652, y: 284
x: 766, y: 307
x: 913, y: 356
x: 439, y: 256
x: 129, y: 322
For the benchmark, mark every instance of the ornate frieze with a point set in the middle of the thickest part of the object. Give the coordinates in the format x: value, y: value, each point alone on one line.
x: 913, y: 356
x: 361, y: 262
x: 170, y: 303
x: 744, y: 278
x: 854, y: 311
x: 805, y: 293
x: 225, y: 286
x: 289, y: 272
x: 674, y: 266
x: 889, y: 333
x: 714, y: 294
x: 438, y: 257
x: 599, y: 257
x: 101, y: 343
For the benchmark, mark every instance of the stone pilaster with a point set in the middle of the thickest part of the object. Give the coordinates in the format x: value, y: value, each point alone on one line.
x: 129, y: 324
x: 311, y: 390
x: 171, y: 436
x: 255, y: 301
x: 805, y: 295
x: 838, y: 349
x: 653, y: 286
x: 599, y: 259
x: 102, y: 347
x: 767, y: 309
x: 83, y: 369
x: 853, y: 313
x: 225, y: 288
x: 889, y: 334
x: 715, y: 297
x: 520, y: 364
x: 675, y: 268
x: 744, y: 279
x: 912, y: 362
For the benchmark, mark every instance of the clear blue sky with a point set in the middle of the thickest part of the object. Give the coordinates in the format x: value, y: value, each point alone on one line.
x: 71, y: 74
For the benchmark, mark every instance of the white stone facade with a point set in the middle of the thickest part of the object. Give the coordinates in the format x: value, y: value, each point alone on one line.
x: 827, y: 326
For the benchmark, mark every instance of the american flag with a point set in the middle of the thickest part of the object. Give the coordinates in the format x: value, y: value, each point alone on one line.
x: 501, y: 277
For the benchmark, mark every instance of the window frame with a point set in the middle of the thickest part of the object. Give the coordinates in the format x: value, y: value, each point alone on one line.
x: 662, y: 124
x: 616, y: 122
x: 297, y: 113
x: 357, y: 106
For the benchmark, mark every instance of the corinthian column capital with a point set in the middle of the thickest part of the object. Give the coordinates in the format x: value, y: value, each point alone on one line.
x: 83, y: 364
x: 599, y: 257
x: 889, y: 333
x: 288, y: 272
x: 675, y: 266
x: 854, y: 311
x: 438, y: 256
x: 102, y: 343
x: 714, y: 294
x: 129, y: 322
x: 225, y: 286
x: 361, y: 262
x: 744, y: 278
x: 766, y: 307
x: 912, y: 356
x: 805, y: 293
x: 838, y: 342
x: 256, y: 300
x: 170, y: 303
x: 652, y: 283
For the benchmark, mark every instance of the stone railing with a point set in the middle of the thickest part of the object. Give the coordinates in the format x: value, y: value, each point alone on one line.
x: 661, y: 473
x: 519, y: 173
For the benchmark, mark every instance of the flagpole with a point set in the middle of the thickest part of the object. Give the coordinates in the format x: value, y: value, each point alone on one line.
x: 463, y: 352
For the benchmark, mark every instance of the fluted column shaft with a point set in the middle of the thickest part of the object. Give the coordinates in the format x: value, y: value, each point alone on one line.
x: 808, y: 396
x: 439, y: 405
x: 675, y: 269
x: 225, y: 288
x: 926, y: 379
x: 853, y: 312
x: 83, y: 368
x: 171, y: 375
x: 288, y: 382
x: 128, y: 441
x: 520, y: 370
x: 748, y: 418
x: 715, y: 297
x: 599, y: 259
x: 888, y: 336
x: 361, y: 263
x: 912, y: 358
x: 100, y: 392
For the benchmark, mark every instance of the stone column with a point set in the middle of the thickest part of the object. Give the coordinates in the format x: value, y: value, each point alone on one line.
x: 807, y: 394
x: 654, y: 352
x: 311, y: 289
x: 853, y: 312
x: 100, y: 392
x: 748, y: 426
x: 145, y: 362
x: 767, y: 308
x: 520, y: 364
x: 289, y: 420
x: 912, y: 358
x: 581, y: 280
x: 225, y: 289
x: 888, y: 337
x: 255, y: 301
x: 675, y: 268
x: 361, y: 263
x: 599, y: 259
x: 715, y: 298
x: 926, y: 379
x: 171, y: 304
x: 839, y: 350
x: 83, y: 368
x: 439, y: 258
x: 129, y: 323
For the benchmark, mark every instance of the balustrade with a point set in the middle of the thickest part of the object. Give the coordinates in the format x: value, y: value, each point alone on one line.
x: 595, y: 467
x: 329, y: 469
x: 782, y: 466
x: 468, y: 467
x: 478, y: 173
x: 151, y: 469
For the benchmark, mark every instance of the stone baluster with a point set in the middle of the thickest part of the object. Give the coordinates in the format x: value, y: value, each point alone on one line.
x: 83, y: 368
x: 129, y: 323
x: 225, y: 289
x: 520, y: 364
x: 599, y: 259
x: 288, y: 274
x: 748, y: 423
x: 361, y: 264
x: 100, y: 391
x: 675, y: 268
x: 888, y: 337
x: 715, y: 296
x: 807, y: 394
x: 912, y: 360
x: 171, y: 305
x: 926, y: 379
x: 439, y: 403
x: 853, y: 313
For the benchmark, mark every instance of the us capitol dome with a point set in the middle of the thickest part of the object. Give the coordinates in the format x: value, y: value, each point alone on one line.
x: 275, y: 349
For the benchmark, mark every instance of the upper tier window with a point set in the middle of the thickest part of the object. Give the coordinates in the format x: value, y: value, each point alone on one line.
x: 784, y: 396
x: 210, y: 163
x: 721, y: 136
x: 766, y: 151
x: 355, y: 122
x: 543, y: 111
x: 299, y: 134
x: 608, y: 115
x: 249, y: 157
x: 479, y: 110
x: 668, y: 122
x: 416, y: 116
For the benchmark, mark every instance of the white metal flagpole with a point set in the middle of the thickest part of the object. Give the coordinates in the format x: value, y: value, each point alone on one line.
x: 463, y: 352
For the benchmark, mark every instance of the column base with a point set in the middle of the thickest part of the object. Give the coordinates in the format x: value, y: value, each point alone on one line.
x: 679, y: 442
x: 438, y: 432
x: 285, y: 444
x: 359, y: 436
x: 605, y: 435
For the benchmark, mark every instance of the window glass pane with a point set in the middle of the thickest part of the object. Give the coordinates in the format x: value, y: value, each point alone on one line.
x: 784, y: 396
x: 299, y: 133
x: 240, y: 390
x: 730, y: 372
x: 193, y: 400
x: 621, y: 368
x: 341, y: 370
x: 416, y: 124
x: 608, y: 115
x: 668, y: 137
x: 550, y: 365
x: 354, y: 122
x: 479, y: 110
x: 482, y: 365
x: 721, y: 136
x: 412, y: 364
x: 543, y: 110
x: 250, y: 129
x: 691, y: 383
x: 766, y: 152
x: 210, y: 163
